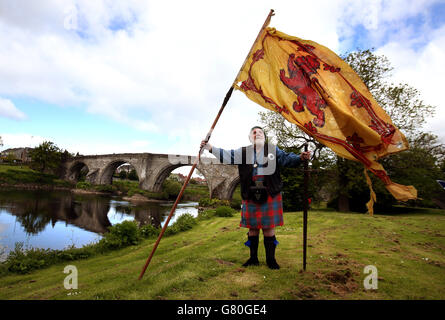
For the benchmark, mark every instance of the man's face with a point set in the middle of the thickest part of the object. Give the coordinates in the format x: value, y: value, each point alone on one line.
x: 256, y: 136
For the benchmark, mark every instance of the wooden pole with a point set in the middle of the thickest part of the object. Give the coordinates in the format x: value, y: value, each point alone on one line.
x: 226, y: 99
x: 305, y: 206
x: 229, y: 93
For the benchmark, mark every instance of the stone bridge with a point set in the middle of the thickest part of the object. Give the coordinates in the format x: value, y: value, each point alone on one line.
x: 152, y: 169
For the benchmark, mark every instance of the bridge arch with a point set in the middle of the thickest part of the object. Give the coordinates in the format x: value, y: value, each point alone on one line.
x: 75, y: 170
x: 162, y: 175
x: 107, y: 173
x: 165, y: 171
x: 232, y: 186
x: 225, y: 190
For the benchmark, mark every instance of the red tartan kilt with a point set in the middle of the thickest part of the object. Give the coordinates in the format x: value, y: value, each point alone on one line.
x: 262, y: 216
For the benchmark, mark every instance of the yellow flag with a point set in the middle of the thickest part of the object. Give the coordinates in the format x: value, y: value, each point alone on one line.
x: 312, y: 87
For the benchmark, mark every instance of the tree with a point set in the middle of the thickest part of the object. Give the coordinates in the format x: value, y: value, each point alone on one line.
x: 122, y: 175
x: 47, y: 156
x: 133, y: 175
x: 287, y: 134
x: 171, y: 187
x: 420, y: 166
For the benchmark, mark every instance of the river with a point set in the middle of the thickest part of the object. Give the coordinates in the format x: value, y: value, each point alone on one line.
x: 59, y: 219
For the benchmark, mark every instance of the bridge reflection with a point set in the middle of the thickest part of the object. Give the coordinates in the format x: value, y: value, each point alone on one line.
x: 34, y: 210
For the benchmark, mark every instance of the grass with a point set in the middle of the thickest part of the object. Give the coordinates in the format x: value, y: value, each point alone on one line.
x: 205, y: 262
x: 23, y: 175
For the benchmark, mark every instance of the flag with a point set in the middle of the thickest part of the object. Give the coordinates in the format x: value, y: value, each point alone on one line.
x: 312, y: 87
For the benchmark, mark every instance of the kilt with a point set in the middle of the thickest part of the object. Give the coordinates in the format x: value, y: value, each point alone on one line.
x: 262, y: 216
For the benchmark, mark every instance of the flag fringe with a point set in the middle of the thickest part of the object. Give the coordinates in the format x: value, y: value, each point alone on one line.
x: 373, y: 197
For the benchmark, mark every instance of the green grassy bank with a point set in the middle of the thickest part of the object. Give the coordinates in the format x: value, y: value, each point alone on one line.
x: 22, y: 176
x: 205, y: 262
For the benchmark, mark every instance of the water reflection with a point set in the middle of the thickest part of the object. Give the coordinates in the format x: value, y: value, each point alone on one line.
x: 59, y: 219
x: 34, y: 210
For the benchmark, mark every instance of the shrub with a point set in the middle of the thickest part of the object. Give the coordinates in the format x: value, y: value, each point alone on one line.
x: 123, y: 185
x: 236, y: 204
x: 133, y: 190
x: 104, y: 188
x: 63, y: 183
x: 206, y: 214
x: 23, y: 261
x: 149, y: 231
x: 133, y: 175
x: 183, y: 223
x: 171, y: 187
x: 83, y: 185
x: 171, y: 230
x: 206, y: 202
x: 122, y: 175
x: 121, y: 235
x: 224, y: 211
x: 157, y: 195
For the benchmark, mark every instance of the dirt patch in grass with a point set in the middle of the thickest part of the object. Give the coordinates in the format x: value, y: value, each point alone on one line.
x: 340, y: 259
x: 433, y: 233
x: 341, y: 282
x: 223, y: 262
x: 437, y: 263
x: 340, y: 276
x: 305, y: 292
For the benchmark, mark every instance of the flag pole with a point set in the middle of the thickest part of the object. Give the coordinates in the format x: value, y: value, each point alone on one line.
x: 305, y: 205
x: 226, y: 99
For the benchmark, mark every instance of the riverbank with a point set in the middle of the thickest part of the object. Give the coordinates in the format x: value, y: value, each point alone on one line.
x: 140, y: 198
x: 22, y: 177
x: 205, y: 262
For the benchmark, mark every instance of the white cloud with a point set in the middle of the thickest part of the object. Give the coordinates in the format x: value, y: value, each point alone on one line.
x: 104, y: 147
x: 168, y: 68
x: 21, y: 140
x: 167, y: 72
x: 423, y: 69
x: 9, y: 110
x: 13, y: 140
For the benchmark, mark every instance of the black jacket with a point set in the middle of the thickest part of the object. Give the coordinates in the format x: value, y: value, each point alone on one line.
x: 275, y: 159
x: 272, y: 182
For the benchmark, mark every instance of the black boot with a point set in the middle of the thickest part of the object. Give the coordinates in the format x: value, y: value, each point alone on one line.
x: 270, y: 244
x: 252, y: 243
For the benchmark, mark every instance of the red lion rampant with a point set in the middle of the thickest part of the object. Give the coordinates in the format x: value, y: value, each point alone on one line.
x: 300, y: 68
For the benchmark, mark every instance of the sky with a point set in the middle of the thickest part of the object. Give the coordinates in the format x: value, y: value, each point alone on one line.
x: 99, y: 77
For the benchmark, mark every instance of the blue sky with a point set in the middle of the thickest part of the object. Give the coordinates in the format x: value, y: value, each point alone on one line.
x: 101, y: 77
